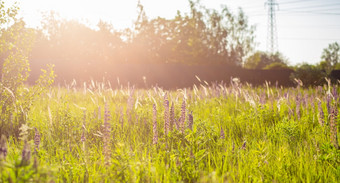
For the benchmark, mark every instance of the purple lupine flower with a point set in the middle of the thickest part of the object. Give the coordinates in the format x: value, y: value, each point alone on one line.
x: 191, y: 120
x: 155, y: 133
x: 321, y: 116
x: 182, y: 121
x: 172, y: 116
x: 166, y: 115
x: 106, y: 136
x: 26, y: 155
x: 298, y: 105
x: 36, y: 140
x: 222, y: 135
x: 3, y: 147
x: 328, y: 104
x: 333, y: 126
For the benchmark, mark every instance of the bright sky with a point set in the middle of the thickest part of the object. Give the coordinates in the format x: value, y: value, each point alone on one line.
x: 304, y: 27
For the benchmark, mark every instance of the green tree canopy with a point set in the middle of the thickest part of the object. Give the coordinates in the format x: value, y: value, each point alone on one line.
x: 262, y: 60
x: 331, y: 57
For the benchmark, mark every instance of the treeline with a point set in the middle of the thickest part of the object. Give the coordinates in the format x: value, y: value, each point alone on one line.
x: 202, y: 36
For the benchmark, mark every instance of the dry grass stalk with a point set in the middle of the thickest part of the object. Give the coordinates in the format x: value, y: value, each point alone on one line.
x: 166, y: 115
x: 155, y: 133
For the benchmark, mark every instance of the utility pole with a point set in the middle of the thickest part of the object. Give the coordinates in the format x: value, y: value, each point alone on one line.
x: 272, y: 44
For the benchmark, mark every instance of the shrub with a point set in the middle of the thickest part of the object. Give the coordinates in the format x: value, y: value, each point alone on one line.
x: 310, y: 75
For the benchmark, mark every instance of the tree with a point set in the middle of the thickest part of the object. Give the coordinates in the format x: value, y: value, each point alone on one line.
x: 203, y: 36
x: 262, y: 60
x: 331, y: 56
x: 15, y: 45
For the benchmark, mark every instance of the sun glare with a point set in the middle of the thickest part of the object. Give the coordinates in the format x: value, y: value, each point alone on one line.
x: 118, y: 13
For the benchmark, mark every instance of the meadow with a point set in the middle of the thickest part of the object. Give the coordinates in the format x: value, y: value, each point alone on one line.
x: 212, y: 132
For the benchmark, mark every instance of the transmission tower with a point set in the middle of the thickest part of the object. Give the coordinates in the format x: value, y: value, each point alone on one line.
x: 272, y: 44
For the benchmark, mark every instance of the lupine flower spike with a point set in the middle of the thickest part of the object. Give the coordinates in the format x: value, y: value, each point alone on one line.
x: 155, y: 133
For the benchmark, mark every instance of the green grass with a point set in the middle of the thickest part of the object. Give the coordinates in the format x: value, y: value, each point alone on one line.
x: 280, y: 144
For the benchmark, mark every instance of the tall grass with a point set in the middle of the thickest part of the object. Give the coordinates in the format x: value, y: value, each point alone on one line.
x: 211, y: 133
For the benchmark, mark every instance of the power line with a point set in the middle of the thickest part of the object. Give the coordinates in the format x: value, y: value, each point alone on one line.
x: 309, y: 39
x: 300, y: 1
x: 316, y: 6
x: 272, y: 45
x: 309, y: 12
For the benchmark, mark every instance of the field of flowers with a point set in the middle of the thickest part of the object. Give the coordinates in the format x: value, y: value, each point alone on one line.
x: 210, y: 133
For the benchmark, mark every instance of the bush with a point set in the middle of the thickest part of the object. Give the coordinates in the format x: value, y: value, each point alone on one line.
x: 276, y: 66
x: 310, y: 75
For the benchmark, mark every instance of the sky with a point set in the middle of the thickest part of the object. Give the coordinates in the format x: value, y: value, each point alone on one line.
x: 304, y: 27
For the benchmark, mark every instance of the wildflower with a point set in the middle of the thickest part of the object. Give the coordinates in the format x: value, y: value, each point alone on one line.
x: 3, y: 147
x: 36, y: 140
x: 155, y: 135
x: 26, y: 155
x: 191, y: 121
x: 166, y: 115
x: 321, y: 114
x: 182, y: 121
x: 172, y: 116
x: 298, y: 105
x: 244, y: 145
x: 333, y: 126
x: 222, y: 133
x: 106, y: 135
